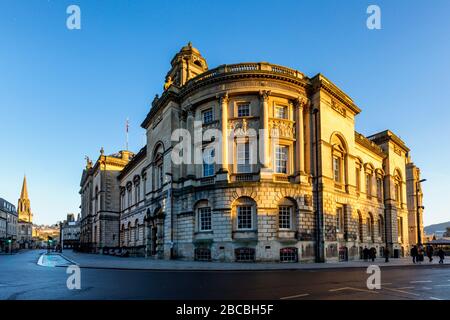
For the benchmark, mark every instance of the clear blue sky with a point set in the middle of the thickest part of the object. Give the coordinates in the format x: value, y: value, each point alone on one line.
x: 64, y: 94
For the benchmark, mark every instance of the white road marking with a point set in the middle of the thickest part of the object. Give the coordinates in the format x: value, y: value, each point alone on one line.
x: 383, y: 284
x: 296, y: 296
x: 350, y: 288
x: 442, y: 285
x: 402, y: 288
x: 434, y: 298
x: 421, y: 281
x: 401, y: 291
x: 426, y: 288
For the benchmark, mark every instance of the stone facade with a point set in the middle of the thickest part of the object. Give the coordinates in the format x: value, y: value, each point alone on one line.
x: 319, y: 191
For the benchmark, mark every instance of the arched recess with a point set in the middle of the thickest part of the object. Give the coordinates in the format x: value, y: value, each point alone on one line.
x: 339, y: 159
x: 244, y: 214
x: 287, y: 214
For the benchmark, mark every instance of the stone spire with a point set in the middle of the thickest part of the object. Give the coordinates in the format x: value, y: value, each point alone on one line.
x: 23, y: 207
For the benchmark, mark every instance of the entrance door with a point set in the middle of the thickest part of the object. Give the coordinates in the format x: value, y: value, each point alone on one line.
x: 154, y: 236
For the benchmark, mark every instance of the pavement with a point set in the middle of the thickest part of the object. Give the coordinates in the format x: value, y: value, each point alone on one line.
x: 21, y: 278
x: 86, y: 260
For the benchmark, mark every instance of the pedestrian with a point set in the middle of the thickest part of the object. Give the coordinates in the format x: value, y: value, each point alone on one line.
x: 373, y: 254
x: 430, y: 253
x: 366, y: 253
x: 386, y: 254
x: 414, y: 253
x: 420, y: 253
x: 441, y: 255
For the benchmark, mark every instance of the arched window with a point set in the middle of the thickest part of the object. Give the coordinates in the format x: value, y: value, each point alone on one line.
x: 136, y: 231
x: 381, y: 227
x: 360, y: 227
x: 398, y: 187
x: 203, y: 216
x: 286, y: 210
x: 339, y: 163
x: 368, y: 170
x: 379, y: 175
x: 158, y: 168
x: 245, y: 214
x: 137, y: 189
x: 129, y: 233
x: 370, y: 226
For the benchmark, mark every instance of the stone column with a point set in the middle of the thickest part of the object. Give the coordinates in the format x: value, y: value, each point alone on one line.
x: 224, y: 107
x: 299, y: 142
x: 190, y: 127
x: 264, y: 98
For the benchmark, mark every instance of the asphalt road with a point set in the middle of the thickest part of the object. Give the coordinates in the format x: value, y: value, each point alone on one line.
x: 22, y: 278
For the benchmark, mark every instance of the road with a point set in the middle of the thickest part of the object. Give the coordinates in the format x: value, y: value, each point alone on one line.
x: 22, y: 278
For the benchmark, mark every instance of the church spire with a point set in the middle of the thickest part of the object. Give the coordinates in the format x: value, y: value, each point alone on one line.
x: 24, y: 193
x: 23, y: 207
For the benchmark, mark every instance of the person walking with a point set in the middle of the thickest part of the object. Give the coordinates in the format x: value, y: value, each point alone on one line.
x: 430, y: 252
x: 420, y: 253
x: 373, y: 254
x: 414, y: 253
x: 366, y: 253
x: 386, y: 253
x: 441, y: 255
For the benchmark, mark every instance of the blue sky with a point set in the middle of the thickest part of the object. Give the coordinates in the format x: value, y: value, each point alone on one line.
x: 66, y: 93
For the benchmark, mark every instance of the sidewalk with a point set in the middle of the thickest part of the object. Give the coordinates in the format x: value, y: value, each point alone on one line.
x: 85, y: 260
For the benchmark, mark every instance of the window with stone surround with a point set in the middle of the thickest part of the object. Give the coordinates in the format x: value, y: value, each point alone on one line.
x: 243, y: 109
x: 202, y: 254
x: 398, y: 193
x: 208, y: 162
x: 370, y: 225
x: 204, y: 219
x: 243, y: 157
x: 289, y: 255
x: 158, y: 168
x: 360, y: 227
x: 244, y: 254
x: 379, y: 188
x: 381, y: 227
x: 286, y: 210
x: 244, y: 217
x: 338, y: 159
x: 136, y: 230
x: 281, y: 112
x: 281, y: 159
x: 207, y: 116
x: 358, y: 166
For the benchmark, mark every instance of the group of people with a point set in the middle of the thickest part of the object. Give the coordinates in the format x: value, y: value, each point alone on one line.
x: 418, y: 253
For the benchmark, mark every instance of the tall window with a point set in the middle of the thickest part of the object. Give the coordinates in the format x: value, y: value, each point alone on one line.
x: 243, y: 110
x: 207, y: 116
x: 244, y: 217
x: 285, y: 217
x: 243, y: 157
x: 122, y: 201
x: 129, y: 197
x: 381, y: 227
x: 137, y: 194
x: 158, y: 171
x: 136, y: 231
x: 281, y: 159
x: 360, y: 226
x: 379, y: 188
x: 370, y: 226
x: 340, y: 219
x: 337, y: 169
x: 208, y: 162
x: 204, y: 219
x: 281, y: 112
x: 358, y: 178
x: 369, y: 185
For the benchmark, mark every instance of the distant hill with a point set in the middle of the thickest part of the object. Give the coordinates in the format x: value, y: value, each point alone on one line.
x: 437, y: 227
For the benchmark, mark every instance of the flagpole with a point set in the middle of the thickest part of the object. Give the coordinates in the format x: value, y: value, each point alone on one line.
x: 126, y: 128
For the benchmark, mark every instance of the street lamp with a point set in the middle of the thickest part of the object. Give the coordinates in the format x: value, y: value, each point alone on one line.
x: 419, y: 236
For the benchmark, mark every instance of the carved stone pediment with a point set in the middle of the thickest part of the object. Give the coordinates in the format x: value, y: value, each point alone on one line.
x: 281, y: 128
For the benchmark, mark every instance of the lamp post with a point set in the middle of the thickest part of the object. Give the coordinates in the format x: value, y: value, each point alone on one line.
x: 419, y: 236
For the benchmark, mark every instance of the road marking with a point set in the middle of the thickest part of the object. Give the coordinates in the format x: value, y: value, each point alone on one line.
x: 434, y: 298
x: 296, y: 296
x: 401, y: 291
x: 442, y: 285
x: 383, y: 284
x: 421, y: 281
x: 351, y: 288
x: 402, y: 288
x: 426, y: 288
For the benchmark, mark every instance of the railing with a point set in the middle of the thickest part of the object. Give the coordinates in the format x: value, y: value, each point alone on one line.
x: 207, y: 180
x: 244, y: 177
x: 246, y: 67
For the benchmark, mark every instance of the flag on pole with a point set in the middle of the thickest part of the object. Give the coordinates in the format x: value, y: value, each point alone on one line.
x: 127, y: 125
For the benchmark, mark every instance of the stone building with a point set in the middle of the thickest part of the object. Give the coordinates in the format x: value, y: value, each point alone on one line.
x: 25, y: 223
x: 8, y: 226
x: 100, y: 196
x: 318, y: 190
x: 70, y: 232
